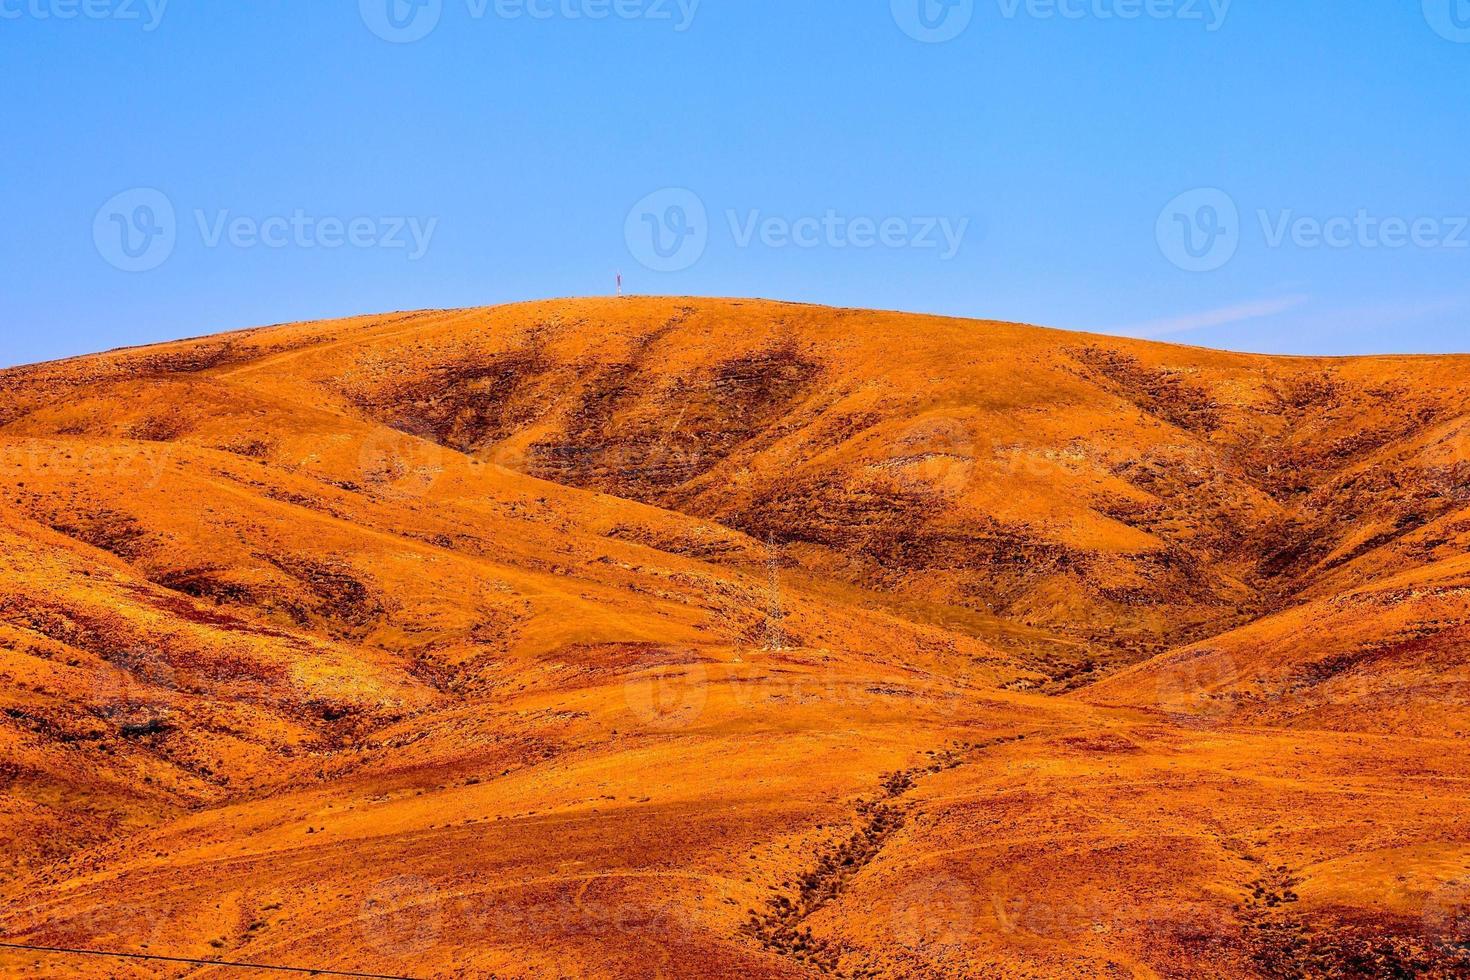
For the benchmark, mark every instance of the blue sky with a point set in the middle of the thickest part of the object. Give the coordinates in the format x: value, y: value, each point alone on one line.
x: 1284, y: 177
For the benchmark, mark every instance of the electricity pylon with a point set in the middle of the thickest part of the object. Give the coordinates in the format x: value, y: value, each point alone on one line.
x: 776, y: 614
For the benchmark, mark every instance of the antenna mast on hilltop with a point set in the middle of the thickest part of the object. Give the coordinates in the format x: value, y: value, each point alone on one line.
x: 776, y: 615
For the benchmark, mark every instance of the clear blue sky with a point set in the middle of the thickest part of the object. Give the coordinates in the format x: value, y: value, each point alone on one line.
x: 1050, y: 142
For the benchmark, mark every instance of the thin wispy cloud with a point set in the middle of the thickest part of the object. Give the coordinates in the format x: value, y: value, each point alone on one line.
x: 1219, y: 317
x: 1382, y: 314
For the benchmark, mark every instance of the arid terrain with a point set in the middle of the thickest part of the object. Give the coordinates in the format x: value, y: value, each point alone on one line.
x: 691, y: 638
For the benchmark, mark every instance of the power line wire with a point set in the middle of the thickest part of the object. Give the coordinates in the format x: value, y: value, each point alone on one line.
x: 184, y: 959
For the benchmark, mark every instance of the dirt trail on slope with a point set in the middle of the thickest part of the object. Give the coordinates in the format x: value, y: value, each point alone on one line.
x: 781, y: 927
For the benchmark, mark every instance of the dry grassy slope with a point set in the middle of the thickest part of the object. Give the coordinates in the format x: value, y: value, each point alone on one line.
x: 97, y: 663
x: 438, y: 644
x: 352, y: 609
x: 1393, y: 656
x: 1059, y: 480
x: 1121, y: 495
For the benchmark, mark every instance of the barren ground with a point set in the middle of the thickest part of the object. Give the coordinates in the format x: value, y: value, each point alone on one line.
x: 691, y: 638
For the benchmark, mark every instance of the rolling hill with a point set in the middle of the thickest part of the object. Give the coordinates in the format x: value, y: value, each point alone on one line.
x: 712, y: 638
